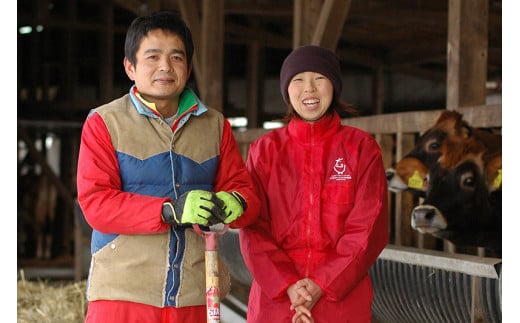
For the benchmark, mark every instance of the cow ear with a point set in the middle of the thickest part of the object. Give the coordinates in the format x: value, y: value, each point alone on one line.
x: 466, y: 131
x: 494, y: 173
x: 497, y: 181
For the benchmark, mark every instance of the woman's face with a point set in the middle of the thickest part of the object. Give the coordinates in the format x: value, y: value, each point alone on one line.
x: 311, y: 95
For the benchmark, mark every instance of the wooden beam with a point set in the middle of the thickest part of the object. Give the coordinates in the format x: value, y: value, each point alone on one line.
x: 135, y: 6
x: 258, y: 9
x: 255, y: 87
x: 330, y: 23
x: 467, y: 53
x: 379, y: 90
x: 419, y: 72
x: 246, y: 34
x: 306, y: 13
x: 106, y: 54
x: 361, y: 56
x: 434, y: 21
x: 212, y: 53
x: 418, y: 51
x: 189, y: 12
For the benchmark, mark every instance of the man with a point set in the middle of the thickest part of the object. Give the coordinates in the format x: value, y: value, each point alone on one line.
x: 151, y: 164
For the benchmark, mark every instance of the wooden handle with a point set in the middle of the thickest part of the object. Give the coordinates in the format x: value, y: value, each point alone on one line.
x: 212, y: 282
x: 212, y: 286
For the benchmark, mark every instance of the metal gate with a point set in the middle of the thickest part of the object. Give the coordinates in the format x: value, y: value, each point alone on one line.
x: 414, y: 285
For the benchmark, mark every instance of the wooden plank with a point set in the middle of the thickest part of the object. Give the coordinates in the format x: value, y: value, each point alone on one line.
x: 408, y: 236
x: 402, y: 122
x: 306, y: 14
x: 465, y: 264
x: 212, y: 53
x: 255, y: 77
x: 249, y: 135
x: 419, y: 121
x: 330, y: 23
x: 106, y: 54
x: 378, y: 89
x: 134, y: 6
x: 189, y: 12
x: 467, y: 53
x: 386, y: 143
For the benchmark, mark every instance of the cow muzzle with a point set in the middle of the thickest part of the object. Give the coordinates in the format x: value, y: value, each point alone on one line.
x: 428, y: 219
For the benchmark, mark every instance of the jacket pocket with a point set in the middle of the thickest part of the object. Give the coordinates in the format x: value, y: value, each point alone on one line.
x: 336, y: 203
x: 338, y: 193
x: 131, y: 268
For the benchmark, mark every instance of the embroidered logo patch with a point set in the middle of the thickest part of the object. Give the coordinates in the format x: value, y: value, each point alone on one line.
x: 339, y: 171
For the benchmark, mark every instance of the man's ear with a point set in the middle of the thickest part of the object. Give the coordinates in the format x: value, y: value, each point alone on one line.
x: 189, y: 69
x: 129, y: 68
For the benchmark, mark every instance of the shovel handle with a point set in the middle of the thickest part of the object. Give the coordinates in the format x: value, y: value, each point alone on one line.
x: 212, y: 282
x: 211, y: 236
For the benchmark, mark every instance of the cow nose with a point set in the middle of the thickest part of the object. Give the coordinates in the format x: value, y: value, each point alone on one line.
x: 389, y: 174
x: 427, y: 218
x: 423, y: 215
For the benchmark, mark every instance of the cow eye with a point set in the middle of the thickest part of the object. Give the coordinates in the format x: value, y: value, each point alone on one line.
x: 433, y: 145
x: 467, y: 181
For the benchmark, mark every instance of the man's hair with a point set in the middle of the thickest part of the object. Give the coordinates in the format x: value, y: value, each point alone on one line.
x: 167, y: 21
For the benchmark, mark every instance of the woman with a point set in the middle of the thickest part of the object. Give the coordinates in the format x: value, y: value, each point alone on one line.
x: 324, y: 215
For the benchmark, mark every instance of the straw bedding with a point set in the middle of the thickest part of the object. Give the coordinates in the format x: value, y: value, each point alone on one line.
x: 51, y: 301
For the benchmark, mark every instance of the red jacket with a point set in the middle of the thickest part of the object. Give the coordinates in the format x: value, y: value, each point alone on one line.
x: 324, y: 216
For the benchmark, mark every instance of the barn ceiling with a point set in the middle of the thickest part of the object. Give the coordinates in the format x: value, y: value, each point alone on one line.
x: 408, y: 36
x: 392, y: 36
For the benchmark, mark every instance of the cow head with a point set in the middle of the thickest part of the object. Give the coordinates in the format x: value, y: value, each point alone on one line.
x: 411, y: 172
x: 463, y: 201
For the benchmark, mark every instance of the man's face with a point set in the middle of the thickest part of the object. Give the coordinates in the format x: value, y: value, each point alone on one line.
x: 161, y: 70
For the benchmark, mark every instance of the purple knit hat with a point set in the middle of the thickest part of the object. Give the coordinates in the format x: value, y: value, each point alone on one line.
x: 310, y: 58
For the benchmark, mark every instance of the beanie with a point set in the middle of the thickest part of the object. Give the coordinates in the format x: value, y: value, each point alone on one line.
x: 310, y: 58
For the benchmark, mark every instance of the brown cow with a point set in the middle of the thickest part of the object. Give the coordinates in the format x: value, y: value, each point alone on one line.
x: 463, y: 202
x: 37, y: 200
x: 411, y: 172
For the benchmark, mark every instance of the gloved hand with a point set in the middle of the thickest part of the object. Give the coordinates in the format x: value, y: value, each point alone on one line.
x: 233, y: 206
x: 194, y: 207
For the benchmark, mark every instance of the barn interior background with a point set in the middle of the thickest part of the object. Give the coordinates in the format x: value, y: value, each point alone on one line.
x: 403, y: 62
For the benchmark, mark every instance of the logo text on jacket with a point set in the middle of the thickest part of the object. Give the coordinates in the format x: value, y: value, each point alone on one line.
x: 339, y: 171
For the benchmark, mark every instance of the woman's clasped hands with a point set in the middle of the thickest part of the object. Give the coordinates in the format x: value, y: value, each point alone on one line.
x: 304, y: 294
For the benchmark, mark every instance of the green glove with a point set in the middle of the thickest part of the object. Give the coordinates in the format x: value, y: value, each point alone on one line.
x: 194, y: 207
x: 234, y: 205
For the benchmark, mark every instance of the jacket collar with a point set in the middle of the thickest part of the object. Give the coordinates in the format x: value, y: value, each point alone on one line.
x: 320, y: 130
x: 189, y: 102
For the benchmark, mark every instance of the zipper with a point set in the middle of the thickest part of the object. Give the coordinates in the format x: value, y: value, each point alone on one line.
x: 171, y: 148
x: 311, y: 204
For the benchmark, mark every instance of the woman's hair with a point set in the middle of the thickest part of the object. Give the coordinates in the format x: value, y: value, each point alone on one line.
x: 164, y: 20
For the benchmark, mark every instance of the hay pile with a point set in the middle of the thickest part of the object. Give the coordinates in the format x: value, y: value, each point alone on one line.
x: 53, y: 302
